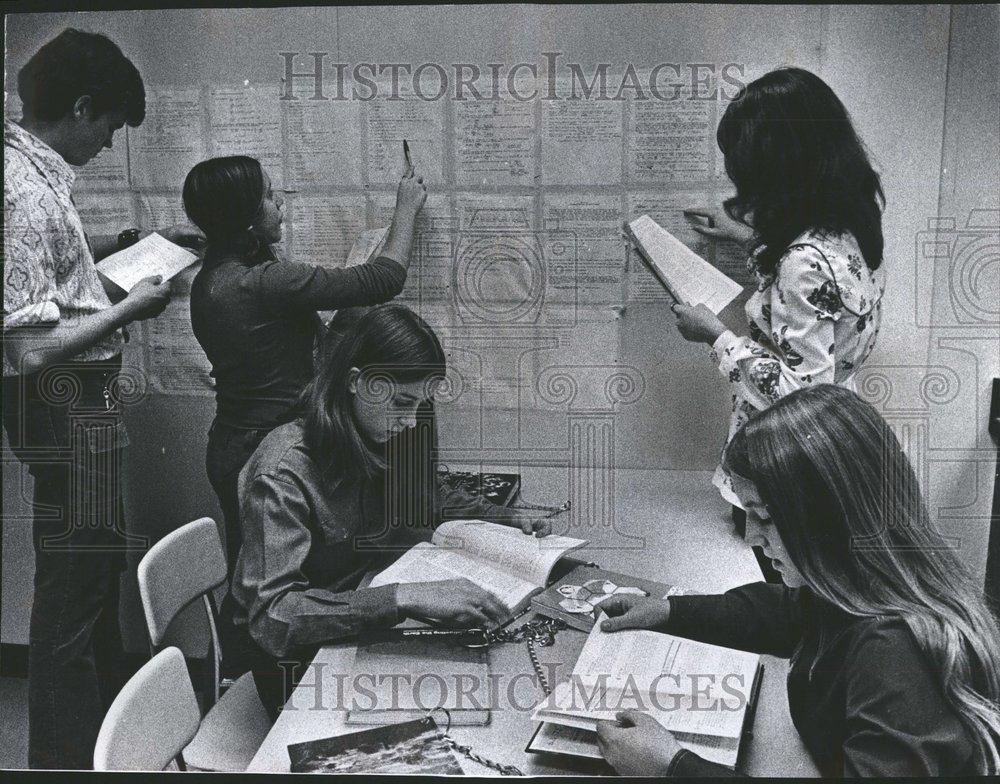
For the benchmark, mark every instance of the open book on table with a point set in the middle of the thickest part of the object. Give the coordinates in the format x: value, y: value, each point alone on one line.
x: 502, y: 559
x: 704, y: 694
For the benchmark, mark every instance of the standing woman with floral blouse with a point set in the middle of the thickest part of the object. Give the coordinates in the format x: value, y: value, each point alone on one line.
x: 809, y: 204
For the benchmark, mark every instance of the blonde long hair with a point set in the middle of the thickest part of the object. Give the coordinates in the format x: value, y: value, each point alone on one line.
x: 846, y: 503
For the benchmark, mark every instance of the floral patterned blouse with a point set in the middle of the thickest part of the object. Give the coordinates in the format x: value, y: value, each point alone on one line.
x: 813, y: 321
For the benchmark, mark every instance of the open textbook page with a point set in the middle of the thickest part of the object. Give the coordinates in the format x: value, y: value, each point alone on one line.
x: 500, y: 558
x: 684, y: 274
x: 689, y: 687
x: 152, y: 255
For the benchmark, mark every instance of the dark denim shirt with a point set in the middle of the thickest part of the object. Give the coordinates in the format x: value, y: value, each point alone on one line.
x: 309, y: 539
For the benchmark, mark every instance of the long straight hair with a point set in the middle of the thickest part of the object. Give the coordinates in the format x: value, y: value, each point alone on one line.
x: 845, y: 501
x: 798, y: 164
x: 389, y: 344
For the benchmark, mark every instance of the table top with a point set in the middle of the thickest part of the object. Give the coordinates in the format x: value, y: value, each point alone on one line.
x: 667, y: 525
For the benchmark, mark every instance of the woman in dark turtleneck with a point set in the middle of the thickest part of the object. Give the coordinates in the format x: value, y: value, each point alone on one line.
x: 254, y: 314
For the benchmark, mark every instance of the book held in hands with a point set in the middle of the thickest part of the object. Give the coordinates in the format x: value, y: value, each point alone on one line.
x: 704, y: 694
x: 686, y: 276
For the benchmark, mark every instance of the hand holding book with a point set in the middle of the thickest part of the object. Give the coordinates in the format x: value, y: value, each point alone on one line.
x: 636, y: 744
x: 697, y: 323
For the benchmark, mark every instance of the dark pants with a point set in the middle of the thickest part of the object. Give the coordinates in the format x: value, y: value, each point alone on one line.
x: 274, y: 677
x: 770, y: 573
x: 229, y: 449
x: 65, y: 425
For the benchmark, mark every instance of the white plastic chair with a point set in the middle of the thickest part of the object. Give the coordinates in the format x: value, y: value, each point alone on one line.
x: 186, y: 565
x: 153, y: 718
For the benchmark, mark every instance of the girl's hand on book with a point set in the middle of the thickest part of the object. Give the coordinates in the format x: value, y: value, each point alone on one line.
x: 452, y: 602
x: 538, y: 526
x: 698, y: 324
x: 715, y: 222
x: 630, y: 611
x: 636, y: 744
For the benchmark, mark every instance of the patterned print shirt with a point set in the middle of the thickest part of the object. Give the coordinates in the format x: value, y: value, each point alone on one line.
x: 814, y: 321
x: 49, y: 273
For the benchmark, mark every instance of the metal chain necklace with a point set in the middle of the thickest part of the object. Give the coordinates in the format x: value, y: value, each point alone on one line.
x: 539, y: 630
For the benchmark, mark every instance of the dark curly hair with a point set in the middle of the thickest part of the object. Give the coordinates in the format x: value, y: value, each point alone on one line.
x: 76, y: 63
x: 798, y: 164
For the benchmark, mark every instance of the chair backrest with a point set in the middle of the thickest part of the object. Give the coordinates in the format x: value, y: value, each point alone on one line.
x: 184, y: 565
x: 152, y: 719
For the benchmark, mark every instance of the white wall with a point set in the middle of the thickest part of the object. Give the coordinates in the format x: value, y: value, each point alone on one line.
x: 890, y: 65
x: 964, y: 312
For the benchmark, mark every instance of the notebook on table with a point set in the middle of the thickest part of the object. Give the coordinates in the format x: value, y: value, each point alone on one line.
x: 401, y: 680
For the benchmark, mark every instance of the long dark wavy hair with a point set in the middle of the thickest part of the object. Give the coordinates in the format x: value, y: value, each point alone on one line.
x: 797, y: 163
x: 847, y: 506
x: 222, y: 197
x: 389, y: 344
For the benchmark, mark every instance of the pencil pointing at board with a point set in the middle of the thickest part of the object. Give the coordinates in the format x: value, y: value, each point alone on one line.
x: 406, y: 154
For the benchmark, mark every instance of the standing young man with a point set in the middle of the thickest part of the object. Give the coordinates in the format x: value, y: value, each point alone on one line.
x: 62, y: 341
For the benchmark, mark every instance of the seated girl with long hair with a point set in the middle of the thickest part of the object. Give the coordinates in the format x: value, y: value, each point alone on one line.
x: 255, y: 313
x: 895, y: 655
x: 342, y: 491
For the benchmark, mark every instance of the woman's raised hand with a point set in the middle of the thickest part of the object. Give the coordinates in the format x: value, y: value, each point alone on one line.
x: 411, y: 193
x: 714, y: 221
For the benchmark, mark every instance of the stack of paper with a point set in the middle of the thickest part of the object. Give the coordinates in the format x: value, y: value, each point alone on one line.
x: 686, y: 276
x: 152, y: 255
x: 701, y: 693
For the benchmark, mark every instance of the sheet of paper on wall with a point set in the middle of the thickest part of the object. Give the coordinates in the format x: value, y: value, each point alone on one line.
x: 152, y: 255
x: 686, y: 276
x: 366, y: 247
